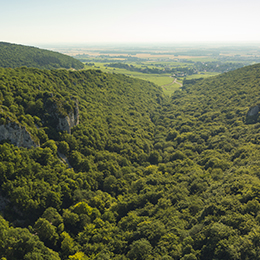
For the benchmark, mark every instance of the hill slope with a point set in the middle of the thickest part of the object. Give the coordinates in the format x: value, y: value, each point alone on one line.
x: 13, y: 56
x: 151, y: 178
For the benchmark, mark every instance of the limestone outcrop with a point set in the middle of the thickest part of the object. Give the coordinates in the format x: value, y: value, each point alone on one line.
x: 252, y: 114
x: 253, y: 111
x: 59, y: 115
x: 17, y: 134
x: 69, y: 121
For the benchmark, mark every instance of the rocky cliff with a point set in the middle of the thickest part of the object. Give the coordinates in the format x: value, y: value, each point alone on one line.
x: 17, y: 134
x: 69, y: 121
x: 252, y: 114
x: 61, y: 115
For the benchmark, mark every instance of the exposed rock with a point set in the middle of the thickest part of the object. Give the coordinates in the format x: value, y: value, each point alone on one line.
x: 64, y: 159
x: 69, y: 121
x: 60, y: 114
x: 252, y: 114
x: 17, y: 134
x: 253, y: 111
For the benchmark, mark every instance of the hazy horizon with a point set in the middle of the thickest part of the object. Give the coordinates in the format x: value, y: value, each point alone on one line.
x: 129, y: 22
x: 145, y: 46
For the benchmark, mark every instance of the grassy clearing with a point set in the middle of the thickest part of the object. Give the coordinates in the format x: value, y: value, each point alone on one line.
x: 204, y: 75
x: 162, y: 80
x: 158, y: 79
x: 170, y: 89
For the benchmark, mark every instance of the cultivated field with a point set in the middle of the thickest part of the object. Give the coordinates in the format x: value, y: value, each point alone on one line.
x: 166, y: 65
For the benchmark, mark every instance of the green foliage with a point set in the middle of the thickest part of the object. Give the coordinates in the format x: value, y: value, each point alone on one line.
x: 19, y: 243
x: 140, y: 249
x: 140, y: 177
x: 13, y: 56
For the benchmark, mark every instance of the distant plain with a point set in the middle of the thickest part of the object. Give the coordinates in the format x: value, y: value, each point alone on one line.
x: 162, y: 64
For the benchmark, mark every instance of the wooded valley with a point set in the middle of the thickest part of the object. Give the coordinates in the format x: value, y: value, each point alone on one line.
x: 140, y: 175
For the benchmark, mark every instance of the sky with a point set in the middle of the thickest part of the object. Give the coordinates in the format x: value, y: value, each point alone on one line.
x: 35, y: 22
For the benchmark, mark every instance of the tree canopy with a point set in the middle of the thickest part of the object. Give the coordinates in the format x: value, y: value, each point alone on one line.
x: 14, y: 55
x: 142, y: 176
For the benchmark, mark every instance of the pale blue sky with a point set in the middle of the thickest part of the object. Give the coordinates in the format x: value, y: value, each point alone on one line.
x: 135, y: 21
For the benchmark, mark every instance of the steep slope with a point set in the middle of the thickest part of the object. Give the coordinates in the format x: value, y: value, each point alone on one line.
x: 114, y: 130
x: 207, y: 142
x: 151, y: 178
x: 14, y: 55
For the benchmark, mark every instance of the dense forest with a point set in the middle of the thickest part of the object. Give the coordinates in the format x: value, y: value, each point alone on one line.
x: 141, y: 176
x: 14, y: 55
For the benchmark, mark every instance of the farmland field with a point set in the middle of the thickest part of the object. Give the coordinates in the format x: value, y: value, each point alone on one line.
x: 162, y: 64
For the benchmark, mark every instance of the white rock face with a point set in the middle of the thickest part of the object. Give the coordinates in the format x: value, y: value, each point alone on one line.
x: 69, y: 121
x: 17, y: 134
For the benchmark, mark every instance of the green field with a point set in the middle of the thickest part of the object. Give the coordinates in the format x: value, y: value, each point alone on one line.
x: 162, y: 80
x: 202, y: 75
x: 158, y: 79
x: 161, y: 66
x: 170, y: 89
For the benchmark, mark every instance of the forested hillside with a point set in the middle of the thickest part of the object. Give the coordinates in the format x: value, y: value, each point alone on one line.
x: 14, y: 55
x: 148, y: 177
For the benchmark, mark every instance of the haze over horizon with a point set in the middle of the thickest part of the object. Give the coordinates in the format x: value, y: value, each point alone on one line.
x: 137, y: 21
